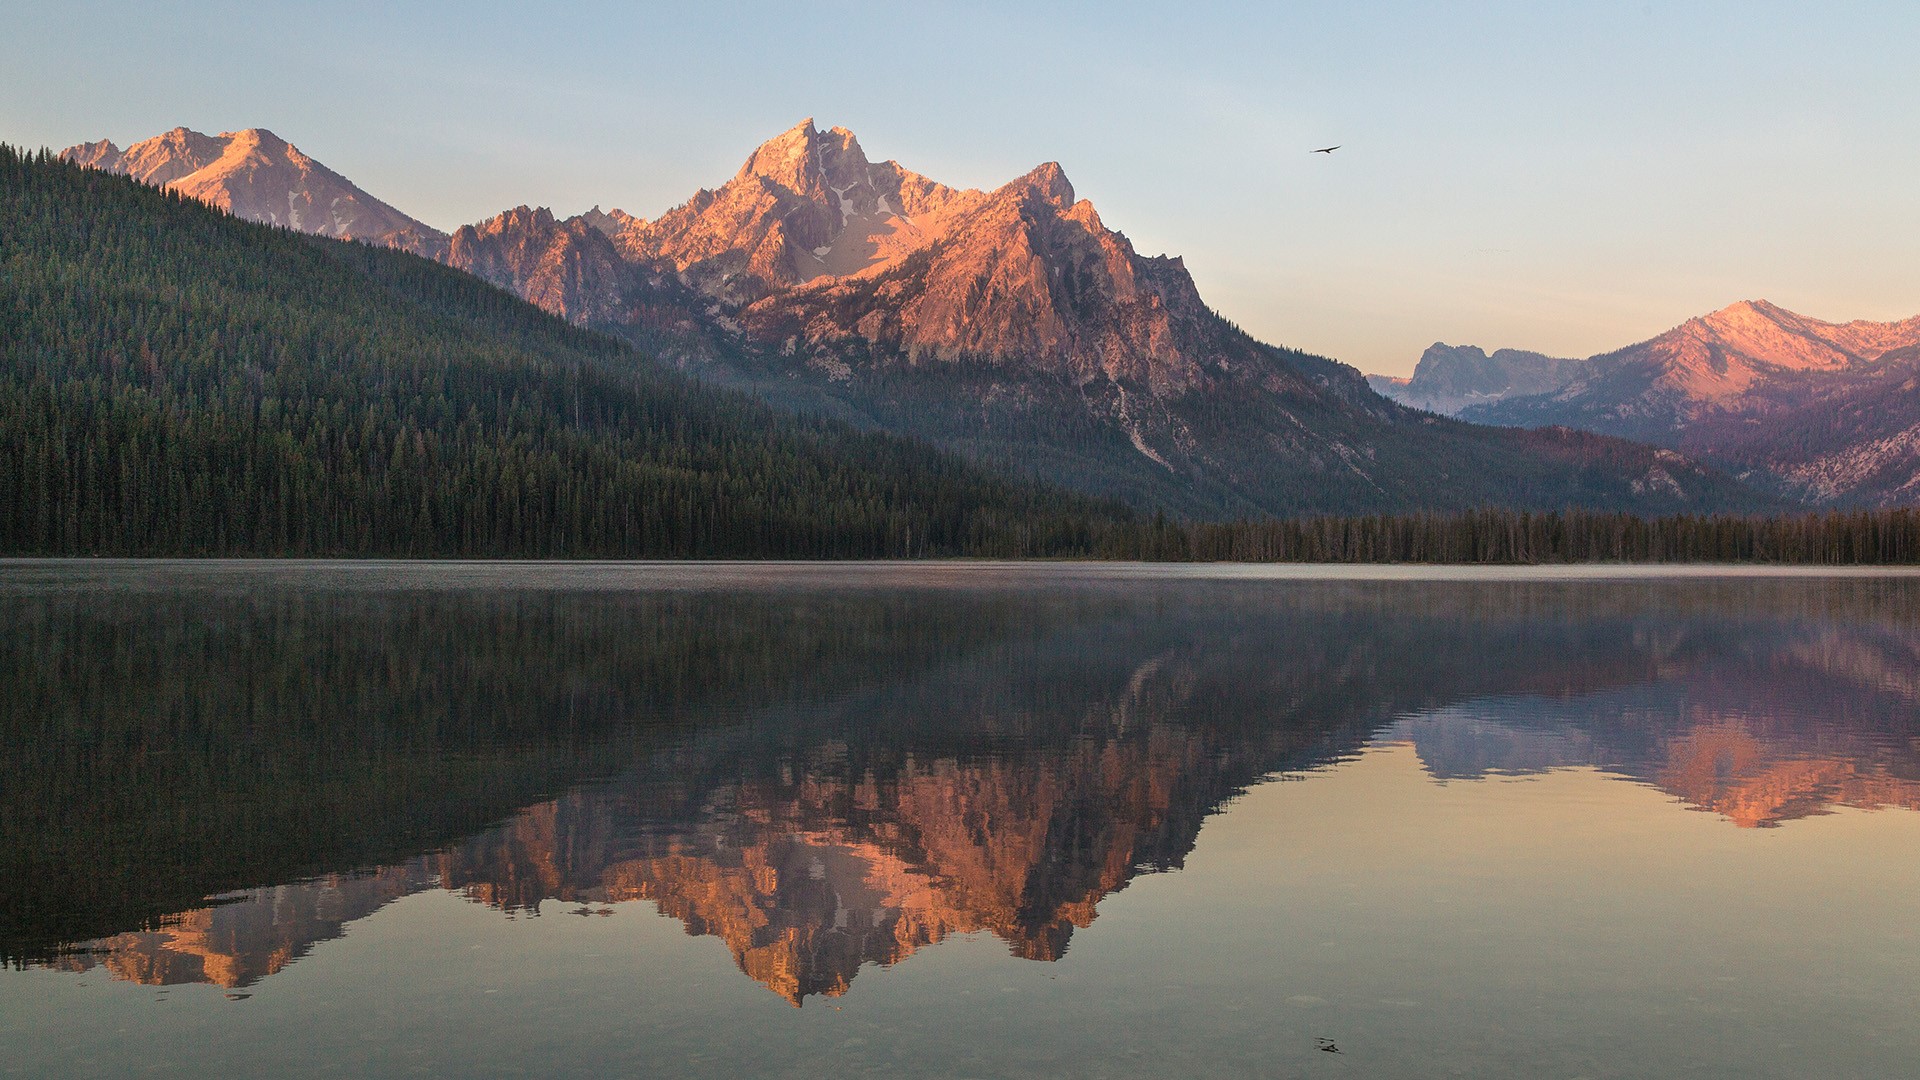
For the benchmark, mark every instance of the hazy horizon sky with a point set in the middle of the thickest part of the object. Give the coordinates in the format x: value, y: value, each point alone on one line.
x: 1563, y: 177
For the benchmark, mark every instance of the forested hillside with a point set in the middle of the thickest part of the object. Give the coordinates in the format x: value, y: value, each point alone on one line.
x: 176, y: 381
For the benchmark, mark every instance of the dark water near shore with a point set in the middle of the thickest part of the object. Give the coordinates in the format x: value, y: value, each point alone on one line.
x: 972, y: 820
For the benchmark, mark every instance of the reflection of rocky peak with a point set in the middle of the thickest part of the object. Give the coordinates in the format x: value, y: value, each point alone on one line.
x: 246, y: 936
x: 1725, y: 765
x: 810, y: 877
x: 1758, y: 746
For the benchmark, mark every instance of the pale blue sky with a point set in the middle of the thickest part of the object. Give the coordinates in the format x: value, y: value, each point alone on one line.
x: 1569, y: 177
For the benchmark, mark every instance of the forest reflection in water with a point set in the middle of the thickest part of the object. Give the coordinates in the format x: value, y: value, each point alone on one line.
x: 833, y: 770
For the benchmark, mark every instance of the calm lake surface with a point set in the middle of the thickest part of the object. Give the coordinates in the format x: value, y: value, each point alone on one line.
x: 284, y: 819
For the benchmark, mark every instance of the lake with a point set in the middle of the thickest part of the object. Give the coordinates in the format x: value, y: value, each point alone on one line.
x: 957, y: 820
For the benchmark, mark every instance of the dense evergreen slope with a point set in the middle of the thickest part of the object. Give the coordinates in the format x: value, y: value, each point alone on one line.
x: 174, y: 380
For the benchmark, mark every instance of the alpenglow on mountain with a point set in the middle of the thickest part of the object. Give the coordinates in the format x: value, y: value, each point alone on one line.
x: 1825, y: 413
x: 254, y: 174
x: 1014, y: 326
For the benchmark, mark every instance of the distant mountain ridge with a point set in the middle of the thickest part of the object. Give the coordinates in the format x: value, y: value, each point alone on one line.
x: 1016, y: 327
x: 254, y: 174
x: 1825, y: 413
x: 1450, y: 378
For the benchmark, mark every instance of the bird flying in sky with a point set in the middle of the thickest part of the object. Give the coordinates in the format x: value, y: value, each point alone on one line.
x: 1327, y: 150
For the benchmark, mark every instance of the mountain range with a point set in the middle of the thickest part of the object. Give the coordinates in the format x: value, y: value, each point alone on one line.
x: 1822, y: 413
x: 1011, y: 325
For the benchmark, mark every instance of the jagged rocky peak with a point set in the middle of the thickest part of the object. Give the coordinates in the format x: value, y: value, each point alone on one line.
x: 161, y: 160
x: 1748, y: 314
x: 788, y: 159
x: 809, y: 162
x: 830, y: 169
x: 1048, y: 183
x: 1026, y: 273
x: 808, y: 244
x: 609, y: 224
x: 182, y: 152
x: 805, y: 204
x: 1818, y: 410
x: 1468, y: 369
x: 518, y: 217
x: 260, y: 141
x: 1761, y: 329
x: 103, y: 155
x: 808, y: 205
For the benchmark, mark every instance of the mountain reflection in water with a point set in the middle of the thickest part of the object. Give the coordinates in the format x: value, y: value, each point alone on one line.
x: 826, y: 778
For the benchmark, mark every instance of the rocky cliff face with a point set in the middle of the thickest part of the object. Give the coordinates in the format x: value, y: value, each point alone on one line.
x: 254, y: 174
x: 568, y: 267
x: 1824, y: 412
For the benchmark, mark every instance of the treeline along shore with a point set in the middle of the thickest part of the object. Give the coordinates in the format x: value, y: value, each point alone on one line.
x: 1494, y: 536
